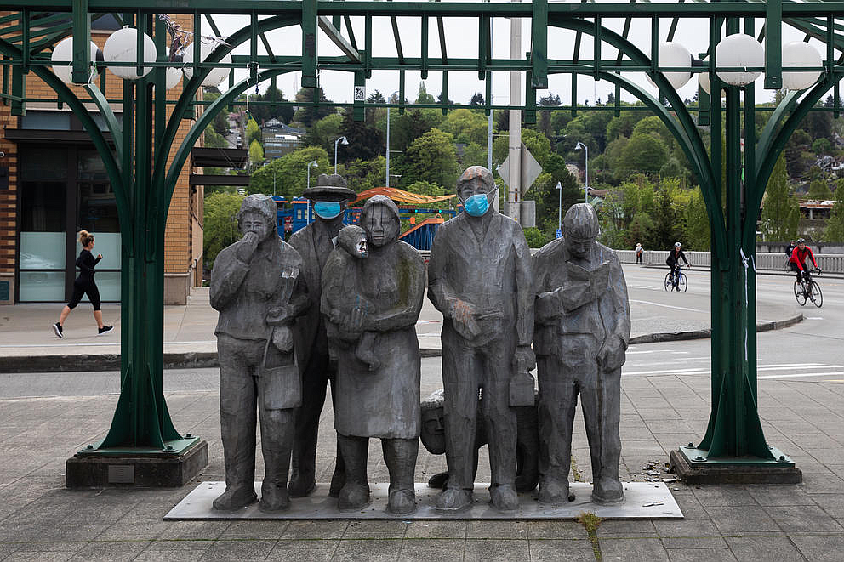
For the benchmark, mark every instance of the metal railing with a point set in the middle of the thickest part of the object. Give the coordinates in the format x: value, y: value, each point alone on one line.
x: 829, y: 263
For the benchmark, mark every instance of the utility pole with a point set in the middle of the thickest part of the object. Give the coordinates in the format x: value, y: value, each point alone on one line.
x: 514, y: 191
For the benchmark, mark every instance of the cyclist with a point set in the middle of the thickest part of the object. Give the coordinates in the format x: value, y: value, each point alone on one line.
x: 673, y: 261
x: 797, y: 261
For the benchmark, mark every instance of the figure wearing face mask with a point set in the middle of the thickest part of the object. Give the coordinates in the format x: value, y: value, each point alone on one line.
x: 581, y: 333
x: 372, y: 305
x: 479, y: 277
x: 314, y: 243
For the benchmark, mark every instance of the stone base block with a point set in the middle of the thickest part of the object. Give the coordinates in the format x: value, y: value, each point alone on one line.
x: 722, y: 471
x: 136, y: 469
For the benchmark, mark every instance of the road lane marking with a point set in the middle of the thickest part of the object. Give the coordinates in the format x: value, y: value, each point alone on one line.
x: 802, y: 375
x: 669, y: 306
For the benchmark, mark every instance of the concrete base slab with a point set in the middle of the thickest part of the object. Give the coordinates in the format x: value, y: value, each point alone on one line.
x: 642, y: 500
x: 128, y: 469
x: 692, y: 472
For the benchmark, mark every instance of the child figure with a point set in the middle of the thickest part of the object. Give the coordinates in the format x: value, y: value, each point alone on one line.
x: 352, y: 242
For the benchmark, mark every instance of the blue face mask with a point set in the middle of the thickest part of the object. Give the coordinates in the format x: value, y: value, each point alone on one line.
x: 477, y: 205
x: 327, y: 209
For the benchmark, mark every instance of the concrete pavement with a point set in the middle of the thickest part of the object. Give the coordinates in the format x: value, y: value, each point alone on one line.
x: 41, y: 520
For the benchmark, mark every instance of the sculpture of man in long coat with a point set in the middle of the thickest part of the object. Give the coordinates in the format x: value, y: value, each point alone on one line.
x: 581, y: 333
x: 480, y: 278
x: 314, y: 243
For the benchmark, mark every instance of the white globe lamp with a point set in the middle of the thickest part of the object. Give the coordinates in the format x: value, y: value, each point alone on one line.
x: 216, y: 75
x: 739, y: 50
x: 174, y: 76
x: 122, y: 46
x: 63, y: 51
x: 675, y: 54
x: 799, y: 54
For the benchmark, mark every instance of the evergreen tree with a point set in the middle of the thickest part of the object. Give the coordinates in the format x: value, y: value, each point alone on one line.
x: 780, y: 209
x: 835, y: 225
x: 819, y: 191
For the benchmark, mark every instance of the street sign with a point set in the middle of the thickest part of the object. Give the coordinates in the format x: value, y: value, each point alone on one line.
x: 530, y: 170
x: 559, y: 233
x: 360, y: 93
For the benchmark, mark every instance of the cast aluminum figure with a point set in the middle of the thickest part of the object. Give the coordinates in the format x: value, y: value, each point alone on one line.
x: 256, y: 286
x: 371, y: 296
x: 314, y: 243
x: 581, y: 333
x: 480, y: 278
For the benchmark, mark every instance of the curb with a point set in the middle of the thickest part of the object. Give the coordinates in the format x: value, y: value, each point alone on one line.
x: 208, y: 359
x: 660, y: 337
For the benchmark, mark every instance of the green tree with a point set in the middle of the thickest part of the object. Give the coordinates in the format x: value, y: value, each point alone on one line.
x: 213, y: 139
x: 290, y: 172
x: 423, y: 96
x: 466, y: 126
x: 219, y: 223
x: 253, y: 132
x: 643, y: 153
x: 365, y: 141
x: 641, y: 230
x: 819, y: 191
x: 696, y: 233
x: 426, y: 188
x: 325, y: 131
x: 256, y: 152
x: 431, y: 158
x: 780, y: 209
x: 535, y: 237
x: 667, y: 228
x: 835, y: 225
x: 821, y: 146
x: 307, y: 114
x: 365, y: 174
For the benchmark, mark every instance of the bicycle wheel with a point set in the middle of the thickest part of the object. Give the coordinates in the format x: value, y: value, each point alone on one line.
x: 683, y: 285
x: 799, y: 293
x: 667, y: 283
x: 816, y: 295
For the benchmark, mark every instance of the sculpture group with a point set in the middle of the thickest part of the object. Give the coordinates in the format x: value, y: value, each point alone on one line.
x: 339, y: 304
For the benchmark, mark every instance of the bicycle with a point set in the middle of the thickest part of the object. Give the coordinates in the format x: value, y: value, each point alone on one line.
x: 680, y: 284
x: 807, y: 289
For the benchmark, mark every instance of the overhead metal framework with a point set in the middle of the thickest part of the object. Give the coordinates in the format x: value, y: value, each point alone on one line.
x: 600, y: 46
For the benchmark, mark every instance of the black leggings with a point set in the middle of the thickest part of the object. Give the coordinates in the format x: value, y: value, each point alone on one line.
x: 82, y: 286
x: 799, y: 271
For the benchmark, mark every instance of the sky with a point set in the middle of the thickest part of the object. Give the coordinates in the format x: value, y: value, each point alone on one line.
x: 462, y: 42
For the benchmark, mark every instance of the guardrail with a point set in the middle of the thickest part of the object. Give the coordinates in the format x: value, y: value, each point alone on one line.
x: 829, y: 263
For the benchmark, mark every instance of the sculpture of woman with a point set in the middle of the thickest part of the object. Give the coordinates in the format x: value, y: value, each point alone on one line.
x: 376, y: 398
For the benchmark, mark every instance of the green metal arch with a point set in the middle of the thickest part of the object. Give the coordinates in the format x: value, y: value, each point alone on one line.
x: 207, y: 117
x: 184, y: 104
x: 775, y: 144
x: 67, y: 96
x: 685, y: 131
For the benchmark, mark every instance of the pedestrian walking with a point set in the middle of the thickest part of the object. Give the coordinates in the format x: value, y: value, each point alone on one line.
x: 84, y: 284
x: 639, y: 252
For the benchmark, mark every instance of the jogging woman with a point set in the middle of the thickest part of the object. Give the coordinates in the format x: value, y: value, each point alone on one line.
x: 84, y: 284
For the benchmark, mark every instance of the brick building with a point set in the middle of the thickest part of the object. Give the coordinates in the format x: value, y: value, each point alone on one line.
x: 53, y: 183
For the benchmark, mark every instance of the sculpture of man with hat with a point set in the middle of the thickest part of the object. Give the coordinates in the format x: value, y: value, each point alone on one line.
x: 314, y: 243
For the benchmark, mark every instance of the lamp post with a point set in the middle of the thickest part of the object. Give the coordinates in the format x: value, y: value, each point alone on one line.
x: 387, y: 152
x: 560, y: 217
x: 315, y: 165
x: 585, y: 171
x: 345, y: 142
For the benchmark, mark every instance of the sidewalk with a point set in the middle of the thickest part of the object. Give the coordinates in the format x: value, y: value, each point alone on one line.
x: 27, y: 342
